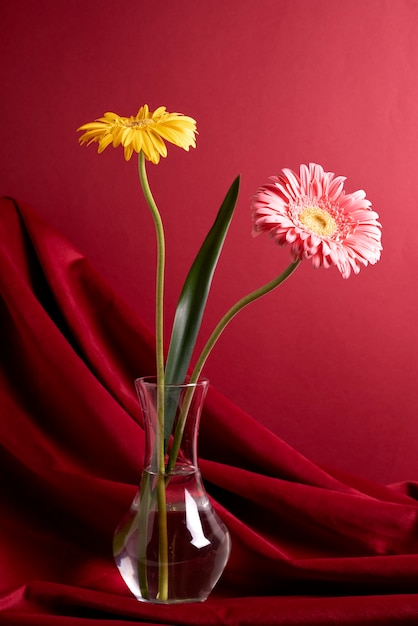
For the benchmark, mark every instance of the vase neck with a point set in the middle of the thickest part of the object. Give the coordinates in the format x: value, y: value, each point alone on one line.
x: 171, y: 425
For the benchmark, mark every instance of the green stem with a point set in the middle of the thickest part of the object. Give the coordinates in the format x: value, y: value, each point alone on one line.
x: 163, y: 539
x: 241, y: 304
x: 159, y: 330
x: 144, y: 504
x: 159, y: 295
x: 238, y: 306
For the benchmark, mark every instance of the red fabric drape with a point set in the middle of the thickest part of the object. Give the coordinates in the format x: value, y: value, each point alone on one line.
x: 309, y: 546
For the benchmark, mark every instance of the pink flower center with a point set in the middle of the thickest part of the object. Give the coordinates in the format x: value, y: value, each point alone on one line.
x: 322, y: 216
x: 318, y: 221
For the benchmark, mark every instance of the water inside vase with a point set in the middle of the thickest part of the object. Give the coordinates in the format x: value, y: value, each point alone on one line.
x: 198, y: 542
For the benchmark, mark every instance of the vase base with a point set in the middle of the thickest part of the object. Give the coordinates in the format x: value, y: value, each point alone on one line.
x: 179, y: 601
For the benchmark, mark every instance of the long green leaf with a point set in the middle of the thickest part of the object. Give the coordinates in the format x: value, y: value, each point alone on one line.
x: 192, y: 301
x: 193, y: 298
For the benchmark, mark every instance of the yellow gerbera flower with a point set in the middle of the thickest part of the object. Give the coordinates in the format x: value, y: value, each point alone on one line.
x: 145, y: 131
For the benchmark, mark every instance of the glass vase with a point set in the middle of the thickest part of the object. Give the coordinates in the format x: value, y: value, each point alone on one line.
x: 171, y: 547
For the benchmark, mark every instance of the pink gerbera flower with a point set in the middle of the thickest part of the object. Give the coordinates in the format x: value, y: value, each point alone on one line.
x: 312, y: 213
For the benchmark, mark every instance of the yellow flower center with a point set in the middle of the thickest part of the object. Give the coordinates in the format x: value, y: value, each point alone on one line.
x: 318, y: 220
x: 140, y: 123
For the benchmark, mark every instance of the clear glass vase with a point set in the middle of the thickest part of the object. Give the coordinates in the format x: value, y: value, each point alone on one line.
x: 171, y: 547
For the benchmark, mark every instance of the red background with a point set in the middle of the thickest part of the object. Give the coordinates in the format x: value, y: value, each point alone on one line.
x: 329, y: 365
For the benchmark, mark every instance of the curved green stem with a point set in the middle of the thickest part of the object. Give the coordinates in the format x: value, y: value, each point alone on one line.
x: 159, y: 328
x: 238, y: 306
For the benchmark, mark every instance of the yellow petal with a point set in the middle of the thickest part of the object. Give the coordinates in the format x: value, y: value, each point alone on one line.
x: 143, y: 113
x: 128, y: 152
x: 104, y: 142
x: 173, y: 136
x: 137, y: 140
x: 109, y: 116
x: 158, y: 143
x: 126, y: 137
x: 158, y: 112
x: 149, y: 149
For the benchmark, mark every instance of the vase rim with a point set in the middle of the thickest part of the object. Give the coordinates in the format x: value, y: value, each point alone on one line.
x: 153, y: 381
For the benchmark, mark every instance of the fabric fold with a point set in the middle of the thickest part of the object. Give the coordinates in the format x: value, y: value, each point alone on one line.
x: 310, y: 545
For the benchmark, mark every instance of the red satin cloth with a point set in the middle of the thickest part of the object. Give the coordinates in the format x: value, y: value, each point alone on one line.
x: 309, y: 546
